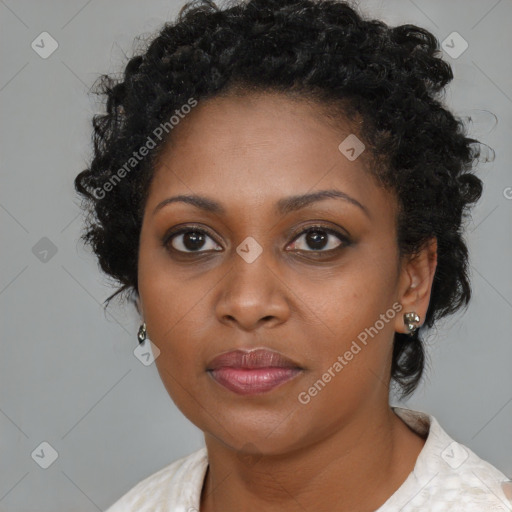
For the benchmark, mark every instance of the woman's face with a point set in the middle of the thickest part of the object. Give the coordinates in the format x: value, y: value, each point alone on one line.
x: 311, y: 297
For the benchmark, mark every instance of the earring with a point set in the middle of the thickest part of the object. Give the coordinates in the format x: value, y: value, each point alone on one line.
x: 141, y: 335
x: 412, y: 322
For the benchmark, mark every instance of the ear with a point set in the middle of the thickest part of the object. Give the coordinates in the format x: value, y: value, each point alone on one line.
x: 415, y: 283
x: 138, y: 305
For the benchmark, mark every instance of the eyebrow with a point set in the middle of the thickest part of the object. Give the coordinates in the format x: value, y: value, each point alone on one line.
x: 283, y: 206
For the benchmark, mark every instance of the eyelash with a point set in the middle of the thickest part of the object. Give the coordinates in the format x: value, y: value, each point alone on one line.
x: 345, y: 241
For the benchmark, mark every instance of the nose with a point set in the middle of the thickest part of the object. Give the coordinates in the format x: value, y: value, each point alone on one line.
x: 253, y: 295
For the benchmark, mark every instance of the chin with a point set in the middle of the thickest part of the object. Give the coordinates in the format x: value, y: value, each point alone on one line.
x: 256, y: 433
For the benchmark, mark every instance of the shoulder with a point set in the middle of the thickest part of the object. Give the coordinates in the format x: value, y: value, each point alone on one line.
x: 178, y: 483
x: 450, y: 476
x: 468, y: 481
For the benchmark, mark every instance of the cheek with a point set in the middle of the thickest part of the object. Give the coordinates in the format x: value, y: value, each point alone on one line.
x: 179, y: 319
x: 175, y: 314
x: 354, y: 321
x: 164, y: 303
x: 352, y: 297
x: 163, y: 293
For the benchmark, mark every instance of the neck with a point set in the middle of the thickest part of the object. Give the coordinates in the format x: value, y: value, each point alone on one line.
x: 358, y: 467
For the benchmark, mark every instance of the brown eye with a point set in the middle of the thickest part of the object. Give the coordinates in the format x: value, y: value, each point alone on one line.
x: 190, y: 240
x: 319, y: 239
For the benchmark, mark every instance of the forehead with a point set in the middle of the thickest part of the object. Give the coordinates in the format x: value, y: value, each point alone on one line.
x: 252, y: 150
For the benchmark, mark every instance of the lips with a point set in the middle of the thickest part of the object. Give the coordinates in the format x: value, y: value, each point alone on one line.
x: 252, y: 372
x: 259, y: 358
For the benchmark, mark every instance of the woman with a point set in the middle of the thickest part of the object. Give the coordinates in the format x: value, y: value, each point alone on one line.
x: 281, y: 189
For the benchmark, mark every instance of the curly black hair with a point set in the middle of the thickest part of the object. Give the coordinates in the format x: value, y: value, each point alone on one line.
x: 388, y: 78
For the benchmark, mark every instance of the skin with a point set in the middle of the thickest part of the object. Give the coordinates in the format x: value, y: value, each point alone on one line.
x: 345, y: 449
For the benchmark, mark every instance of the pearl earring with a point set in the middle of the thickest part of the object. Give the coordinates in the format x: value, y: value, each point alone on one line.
x: 412, y: 322
x: 141, y: 335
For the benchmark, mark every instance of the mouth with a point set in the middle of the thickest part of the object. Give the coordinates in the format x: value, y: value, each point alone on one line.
x: 252, y: 372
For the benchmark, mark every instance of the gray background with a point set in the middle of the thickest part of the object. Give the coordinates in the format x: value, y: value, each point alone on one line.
x: 68, y: 375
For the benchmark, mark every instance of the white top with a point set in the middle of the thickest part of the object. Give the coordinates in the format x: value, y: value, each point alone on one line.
x: 447, y: 477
